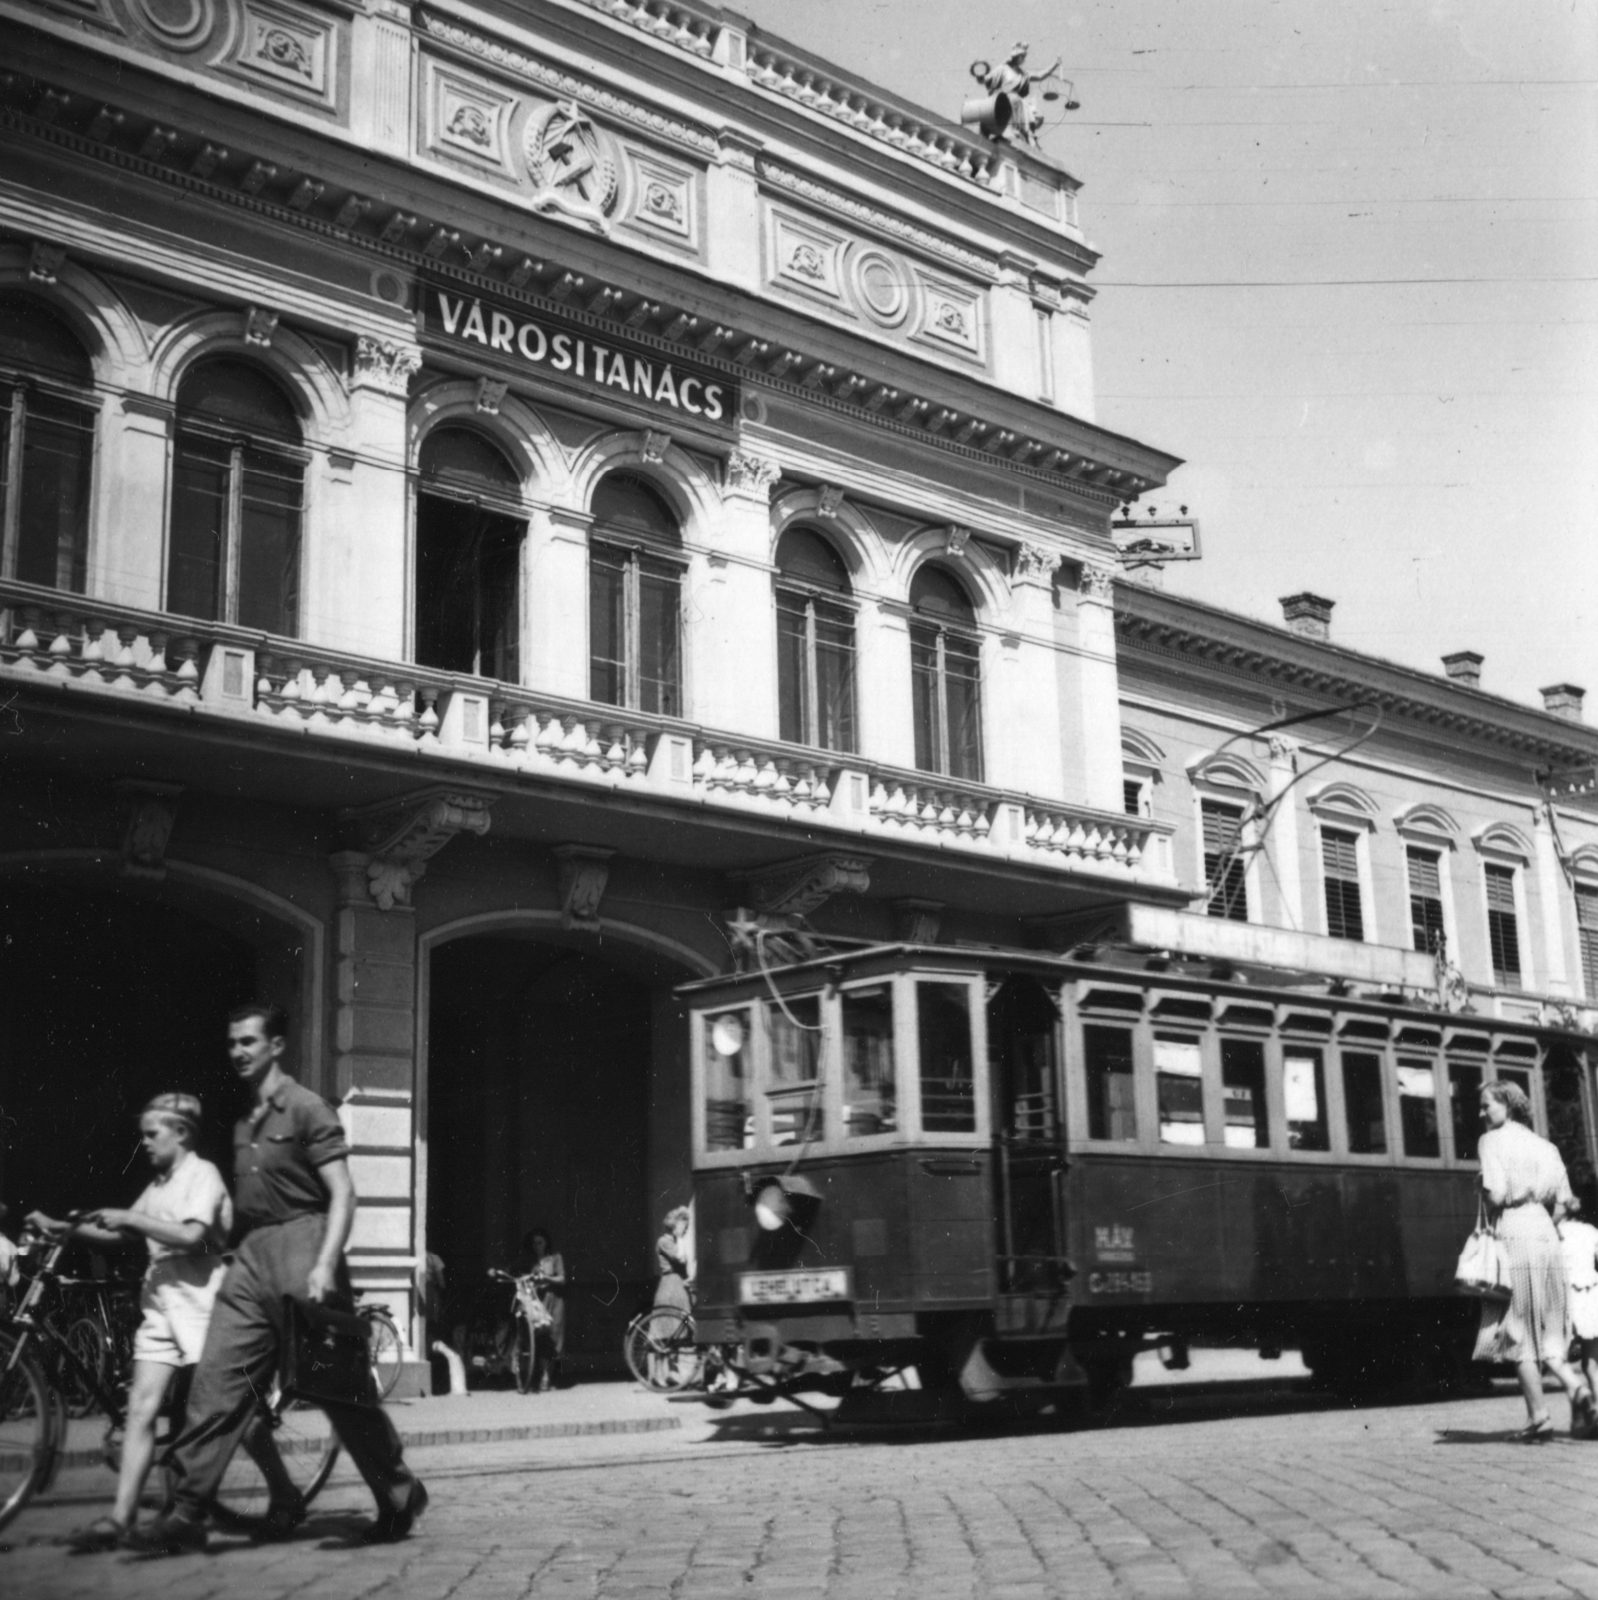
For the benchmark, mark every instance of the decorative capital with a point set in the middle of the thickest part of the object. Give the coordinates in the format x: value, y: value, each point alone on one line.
x: 582, y: 873
x: 490, y: 395
x: 259, y: 326
x: 655, y: 446
x: 918, y: 920
x: 750, y: 475
x: 1096, y: 583
x: 796, y: 888
x: 400, y: 836
x: 831, y: 499
x: 45, y: 261
x: 152, y: 812
x: 1035, y: 565
x: 384, y: 365
x: 956, y: 539
x: 1284, y: 752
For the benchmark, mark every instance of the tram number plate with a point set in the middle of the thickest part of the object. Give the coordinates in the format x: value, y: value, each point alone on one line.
x: 793, y: 1288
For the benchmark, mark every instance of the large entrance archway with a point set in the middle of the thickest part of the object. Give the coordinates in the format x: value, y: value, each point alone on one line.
x: 113, y: 994
x: 556, y: 1099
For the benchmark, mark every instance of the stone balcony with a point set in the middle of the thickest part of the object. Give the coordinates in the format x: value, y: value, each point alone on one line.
x: 75, y: 645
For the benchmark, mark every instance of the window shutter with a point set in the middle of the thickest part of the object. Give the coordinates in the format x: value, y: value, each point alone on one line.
x: 1340, y: 854
x: 1425, y: 877
x: 1221, y: 826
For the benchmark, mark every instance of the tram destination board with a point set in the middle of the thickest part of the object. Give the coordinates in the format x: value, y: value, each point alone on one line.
x: 794, y: 1288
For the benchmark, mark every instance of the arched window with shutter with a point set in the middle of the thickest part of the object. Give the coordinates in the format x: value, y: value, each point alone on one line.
x: 237, y: 499
x: 946, y: 675
x: 634, y: 598
x: 815, y: 644
x: 46, y: 446
x: 469, y: 536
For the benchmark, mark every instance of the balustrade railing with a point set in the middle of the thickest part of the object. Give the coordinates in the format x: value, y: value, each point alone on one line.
x: 207, y: 666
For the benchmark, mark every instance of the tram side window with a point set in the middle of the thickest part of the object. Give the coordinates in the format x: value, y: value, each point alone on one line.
x: 796, y: 1112
x: 1107, y: 1065
x: 1179, y: 1086
x: 1465, y: 1103
x: 729, y: 1124
x: 1362, y: 1097
x: 1417, y: 1107
x: 870, y: 1101
x: 1243, y: 1094
x: 1304, y: 1100
x: 948, y: 1089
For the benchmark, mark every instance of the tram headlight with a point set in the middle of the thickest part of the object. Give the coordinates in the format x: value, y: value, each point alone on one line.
x: 780, y: 1201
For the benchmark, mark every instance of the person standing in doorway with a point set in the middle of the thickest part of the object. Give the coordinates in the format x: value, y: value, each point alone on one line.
x: 548, y: 1270
x: 673, y: 1263
x: 295, y: 1204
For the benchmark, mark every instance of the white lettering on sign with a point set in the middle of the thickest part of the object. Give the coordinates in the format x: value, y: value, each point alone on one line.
x: 644, y: 378
x: 1114, y: 1243
x: 1120, y: 1283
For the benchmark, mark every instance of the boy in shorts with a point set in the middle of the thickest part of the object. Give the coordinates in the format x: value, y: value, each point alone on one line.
x: 184, y: 1217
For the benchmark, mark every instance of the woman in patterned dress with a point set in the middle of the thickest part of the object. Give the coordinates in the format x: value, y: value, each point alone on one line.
x: 1524, y: 1183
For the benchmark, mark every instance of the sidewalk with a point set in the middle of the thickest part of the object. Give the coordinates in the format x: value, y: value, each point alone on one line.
x: 483, y: 1416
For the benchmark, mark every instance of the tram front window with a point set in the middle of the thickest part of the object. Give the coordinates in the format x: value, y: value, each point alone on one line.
x: 1362, y: 1098
x: 1417, y: 1108
x: 1464, y: 1083
x: 1304, y: 1100
x: 948, y: 1088
x: 1243, y: 1093
x: 795, y: 1093
x: 1179, y: 1082
x: 1107, y: 1065
x: 729, y: 1119
x: 870, y: 1105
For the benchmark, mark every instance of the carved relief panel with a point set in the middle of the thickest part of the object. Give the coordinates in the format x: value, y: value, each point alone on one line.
x: 281, y: 48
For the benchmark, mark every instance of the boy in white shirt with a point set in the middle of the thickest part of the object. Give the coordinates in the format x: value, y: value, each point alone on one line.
x: 184, y: 1216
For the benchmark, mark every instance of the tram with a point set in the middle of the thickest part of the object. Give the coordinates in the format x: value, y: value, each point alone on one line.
x: 1012, y: 1171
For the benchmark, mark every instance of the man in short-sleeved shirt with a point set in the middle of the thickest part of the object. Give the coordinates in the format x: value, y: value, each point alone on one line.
x: 294, y: 1203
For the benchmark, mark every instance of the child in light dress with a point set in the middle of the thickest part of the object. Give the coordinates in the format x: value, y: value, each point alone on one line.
x: 1578, y: 1242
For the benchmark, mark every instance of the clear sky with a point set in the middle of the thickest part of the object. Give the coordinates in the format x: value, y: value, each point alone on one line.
x: 1350, y: 275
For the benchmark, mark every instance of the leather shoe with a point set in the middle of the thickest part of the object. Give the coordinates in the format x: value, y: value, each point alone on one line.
x: 170, y: 1534
x: 394, y: 1523
x: 281, y: 1519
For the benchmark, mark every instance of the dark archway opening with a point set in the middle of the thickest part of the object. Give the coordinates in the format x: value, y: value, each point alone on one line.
x: 539, y: 1096
x: 109, y: 999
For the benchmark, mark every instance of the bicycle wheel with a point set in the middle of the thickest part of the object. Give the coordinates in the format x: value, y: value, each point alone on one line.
x: 670, y: 1356
x: 89, y: 1343
x: 635, y: 1348
x: 388, y: 1352
x: 30, y: 1439
x: 307, y: 1448
x: 524, y: 1356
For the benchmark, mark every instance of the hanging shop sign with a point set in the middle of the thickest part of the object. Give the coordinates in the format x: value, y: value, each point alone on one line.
x: 571, y: 354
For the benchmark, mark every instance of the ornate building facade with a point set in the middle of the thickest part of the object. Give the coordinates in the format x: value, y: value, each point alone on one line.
x: 504, y: 501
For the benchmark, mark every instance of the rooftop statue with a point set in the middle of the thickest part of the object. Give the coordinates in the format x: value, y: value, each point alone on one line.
x: 1008, y: 110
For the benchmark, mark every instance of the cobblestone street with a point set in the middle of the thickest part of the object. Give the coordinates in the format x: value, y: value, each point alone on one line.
x: 1428, y: 1499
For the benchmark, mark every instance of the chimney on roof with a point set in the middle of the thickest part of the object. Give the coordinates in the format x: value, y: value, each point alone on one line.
x: 1564, y: 700
x: 1308, y: 615
x: 1464, y: 666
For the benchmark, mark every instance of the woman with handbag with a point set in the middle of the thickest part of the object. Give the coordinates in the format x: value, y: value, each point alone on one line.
x: 1523, y: 1184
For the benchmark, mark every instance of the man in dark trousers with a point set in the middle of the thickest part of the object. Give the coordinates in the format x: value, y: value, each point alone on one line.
x: 294, y: 1203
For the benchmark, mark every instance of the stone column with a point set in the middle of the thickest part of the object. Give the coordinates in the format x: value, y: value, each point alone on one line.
x: 887, y: 717
x: 373, y: 1080
x: 555, y: 631
x: 1027, y: 748
x: 130, y: 500
x: 1555, y: 967
x: 732, y: 209
x: 357, y: 581
x: 1099, y: 729
x: 734, y: 639
x: 1281, y: 842
x: 380, y: 45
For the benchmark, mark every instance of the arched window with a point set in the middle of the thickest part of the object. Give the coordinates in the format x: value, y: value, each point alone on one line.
x: 237, y: 489
x: 946, y: 676
x: 46, y: 446
x: 469, y: 537
x: 634, y: 598
x: 815, y: 644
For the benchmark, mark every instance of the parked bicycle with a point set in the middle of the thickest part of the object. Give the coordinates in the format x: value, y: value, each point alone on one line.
x: 661, y: 1352
x: 388, y: 1349
x: 37, y: 1358
x: 530, y: 1316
